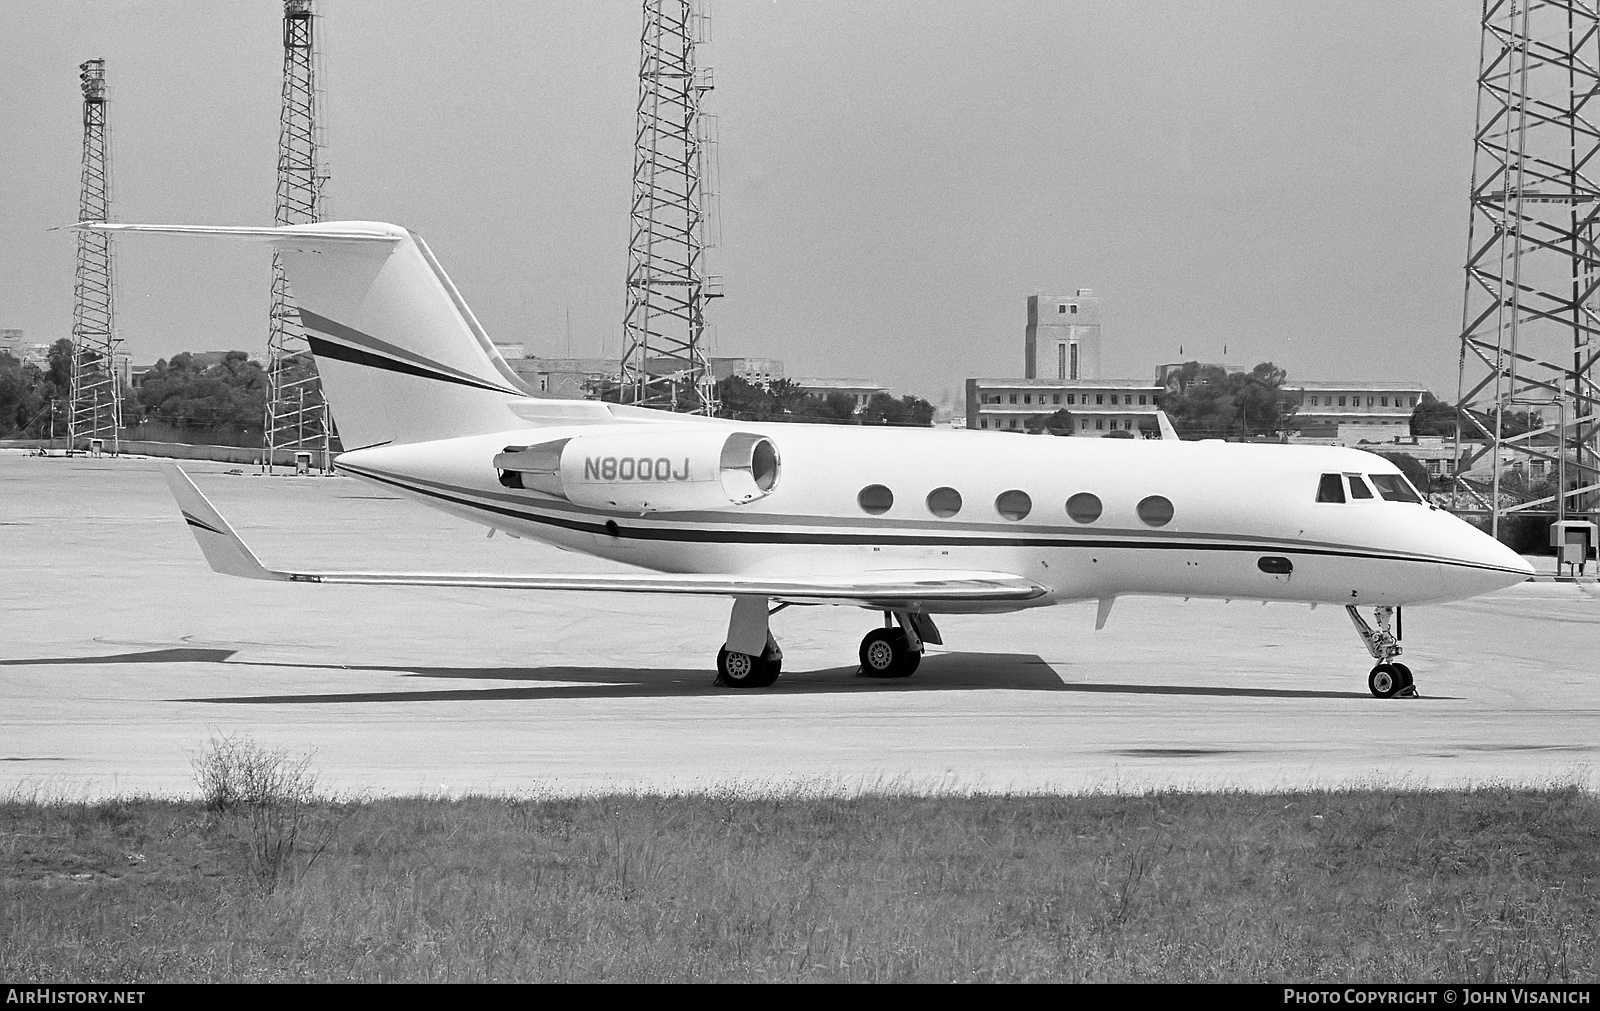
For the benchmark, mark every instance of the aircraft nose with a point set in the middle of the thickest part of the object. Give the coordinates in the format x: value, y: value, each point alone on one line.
x: 1482, y: 564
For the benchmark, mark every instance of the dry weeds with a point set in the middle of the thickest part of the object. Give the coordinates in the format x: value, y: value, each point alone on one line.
x: 1489, y: 884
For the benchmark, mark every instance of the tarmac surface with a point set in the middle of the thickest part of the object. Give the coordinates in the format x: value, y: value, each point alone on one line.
x: 121, y: 654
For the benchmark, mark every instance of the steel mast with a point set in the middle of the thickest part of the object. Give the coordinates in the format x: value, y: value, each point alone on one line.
x: 664, y: 363
x: 96, y: 394
x: 296, y: 415
x: 1530, y: 336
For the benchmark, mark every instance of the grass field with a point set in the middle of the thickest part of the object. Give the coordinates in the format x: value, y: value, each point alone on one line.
x: 1483, y: 885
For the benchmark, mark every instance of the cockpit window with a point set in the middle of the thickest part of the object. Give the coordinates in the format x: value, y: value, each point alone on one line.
x: 1395, y: 488
x: 1331, y: 488
x: 1358, y: 487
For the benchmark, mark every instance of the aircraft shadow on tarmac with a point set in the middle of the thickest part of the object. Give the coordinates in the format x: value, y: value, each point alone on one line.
x: 960, y: 671
x: 185, y: 654
x: 943, y: 672
x: 940, y: 672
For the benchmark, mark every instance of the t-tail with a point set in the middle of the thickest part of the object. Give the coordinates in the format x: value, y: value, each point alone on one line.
x: 401, y: 357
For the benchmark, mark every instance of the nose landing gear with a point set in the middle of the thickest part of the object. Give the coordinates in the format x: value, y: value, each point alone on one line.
x: 1388, y: 679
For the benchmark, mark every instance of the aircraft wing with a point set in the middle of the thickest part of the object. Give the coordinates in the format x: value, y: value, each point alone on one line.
x: 228, y: 554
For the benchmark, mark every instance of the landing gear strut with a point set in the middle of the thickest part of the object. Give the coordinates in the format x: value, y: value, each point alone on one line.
x: 751, y: 657
x: 1389, y: 679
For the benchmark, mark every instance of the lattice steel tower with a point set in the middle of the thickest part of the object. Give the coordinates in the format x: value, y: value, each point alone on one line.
x: 96, y: 395
x: 1530, y: 335
x: 664, y: 363
x: 296, y: 417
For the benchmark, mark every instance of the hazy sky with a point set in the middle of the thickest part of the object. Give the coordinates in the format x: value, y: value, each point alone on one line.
x: 1287, y: 178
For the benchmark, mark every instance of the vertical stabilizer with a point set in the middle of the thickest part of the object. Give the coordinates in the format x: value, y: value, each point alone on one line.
x: 402, y: 358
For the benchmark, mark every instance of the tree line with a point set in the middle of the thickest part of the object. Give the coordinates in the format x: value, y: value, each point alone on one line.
x: 28, y: 391
x: 185, y: 399
x: 784, y: 400
x: 179, y: 397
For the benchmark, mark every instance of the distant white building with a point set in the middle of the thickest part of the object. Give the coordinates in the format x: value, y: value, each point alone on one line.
x: 861, y: 389
x: 1098, y: 407
x: 1327, y: 407
x: 15, y: 343
x: 757, y: 371
x: 1169, y: 374
x: 565, y: 378
x: 1061, y: 366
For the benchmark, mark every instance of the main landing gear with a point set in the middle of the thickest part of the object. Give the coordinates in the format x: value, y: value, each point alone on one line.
x: 741, y: 670
x: 1389, y: 679
x: 890, y: 652
x: 751, y: 657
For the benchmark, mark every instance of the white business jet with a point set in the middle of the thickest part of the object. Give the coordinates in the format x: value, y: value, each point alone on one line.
x: 909, y: 522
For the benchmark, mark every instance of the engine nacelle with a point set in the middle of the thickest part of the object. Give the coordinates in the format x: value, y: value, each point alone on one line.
x: 652, y: 471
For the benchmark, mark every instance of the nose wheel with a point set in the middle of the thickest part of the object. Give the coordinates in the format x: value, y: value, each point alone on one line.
x: 1389, y: 679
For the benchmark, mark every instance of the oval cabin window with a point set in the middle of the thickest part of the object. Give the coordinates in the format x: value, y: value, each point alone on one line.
x: 1013, y: 505
x: 944, y: 502
x: 1156, y: 511
x: 1084, y: 507
x: 875, y: 499
x: 1275, y: 565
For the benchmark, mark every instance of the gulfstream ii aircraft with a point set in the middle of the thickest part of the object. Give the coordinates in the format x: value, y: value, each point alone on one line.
x: 913, y: 523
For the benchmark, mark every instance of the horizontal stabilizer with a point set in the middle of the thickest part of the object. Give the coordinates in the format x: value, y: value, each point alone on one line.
x: 400, y: 358
x: 223, y: 548
x: 341, y: 232
x: 229, y: 555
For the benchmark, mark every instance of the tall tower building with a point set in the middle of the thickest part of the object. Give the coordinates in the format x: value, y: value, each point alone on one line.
x: 1063, y: 336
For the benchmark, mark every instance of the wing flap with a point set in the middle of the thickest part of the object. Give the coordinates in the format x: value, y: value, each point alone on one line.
x: 863, y: 588
x: 227, y: 553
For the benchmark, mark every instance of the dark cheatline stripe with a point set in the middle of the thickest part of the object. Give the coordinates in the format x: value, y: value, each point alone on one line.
x: 366, y: 342
x: 202, y: 524
x: 323, y: 348
x: 734, y: 536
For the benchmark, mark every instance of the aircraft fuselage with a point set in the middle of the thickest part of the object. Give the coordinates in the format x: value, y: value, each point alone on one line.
x: 1087, y: 518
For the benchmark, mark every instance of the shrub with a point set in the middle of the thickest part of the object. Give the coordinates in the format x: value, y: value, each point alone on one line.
x: 268, y: 789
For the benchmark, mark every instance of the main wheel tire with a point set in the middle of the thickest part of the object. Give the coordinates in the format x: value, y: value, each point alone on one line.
x: 1385, y: 681
x: 741, y: 670
x: 771, y: 667
x: 886, y: 654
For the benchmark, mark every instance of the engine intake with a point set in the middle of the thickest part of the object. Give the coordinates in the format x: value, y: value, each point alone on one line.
x: 646, y: 471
